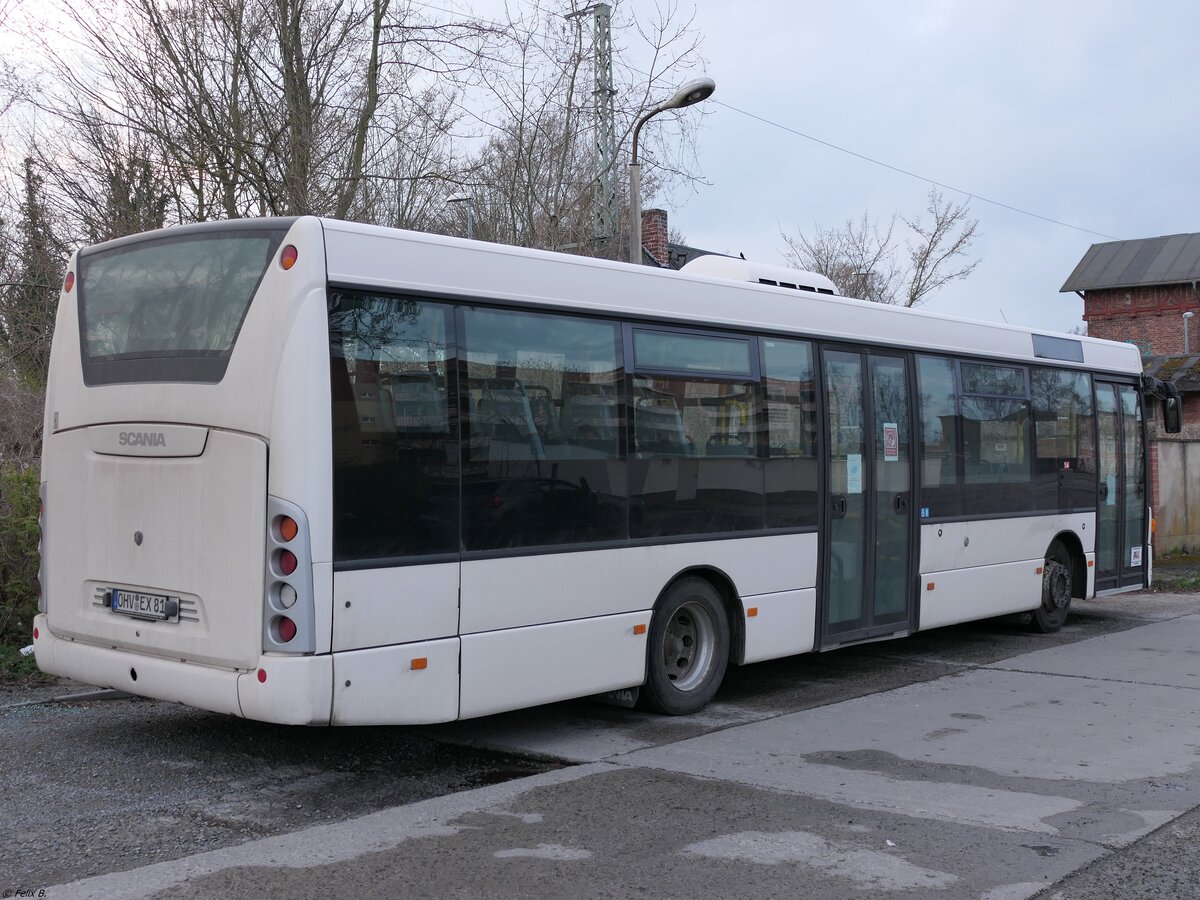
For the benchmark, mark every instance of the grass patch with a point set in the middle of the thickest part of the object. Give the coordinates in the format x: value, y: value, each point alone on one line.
x: 1176, y: 583
x: 21, y: 671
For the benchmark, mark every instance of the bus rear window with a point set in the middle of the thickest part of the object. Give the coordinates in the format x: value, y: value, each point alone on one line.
x: 170, y: 308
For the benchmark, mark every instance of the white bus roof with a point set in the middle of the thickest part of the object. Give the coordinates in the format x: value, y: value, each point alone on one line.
x: 737, y: 269
x: 390, y: 259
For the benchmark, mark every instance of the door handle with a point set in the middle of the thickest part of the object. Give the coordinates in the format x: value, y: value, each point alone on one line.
x: 839, y: 506
x: 900, y: 504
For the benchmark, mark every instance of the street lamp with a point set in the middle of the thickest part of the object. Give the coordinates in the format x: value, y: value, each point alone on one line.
x: 470, y: 202
x: 690, y: 93
x: 1187, y: 348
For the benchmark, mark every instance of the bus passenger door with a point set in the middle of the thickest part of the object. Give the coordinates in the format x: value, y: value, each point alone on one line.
x: 1121, y: 499
x: 868, y: 526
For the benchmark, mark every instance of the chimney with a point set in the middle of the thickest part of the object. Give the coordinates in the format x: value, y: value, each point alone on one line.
x: 654, y: 235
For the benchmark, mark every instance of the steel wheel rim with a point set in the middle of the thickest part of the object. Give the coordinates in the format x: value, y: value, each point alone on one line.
x: 1058, y: 585
x: 689, y: 645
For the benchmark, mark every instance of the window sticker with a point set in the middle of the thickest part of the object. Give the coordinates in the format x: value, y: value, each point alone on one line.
x: 891, y: 442
x: 854, y: 473
x: 1135, y: 556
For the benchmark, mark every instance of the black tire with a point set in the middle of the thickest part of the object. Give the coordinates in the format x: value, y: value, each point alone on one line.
x: 1057, y: 588
x: 688, y: 649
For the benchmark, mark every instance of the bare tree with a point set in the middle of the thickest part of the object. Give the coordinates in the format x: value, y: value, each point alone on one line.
x: 864, y: 259
x: 11, y: 82
x: 105, y: 182
x: 535, y: 180
x: 938, y: 251
x: 859, y: 257
x: 260, y: 107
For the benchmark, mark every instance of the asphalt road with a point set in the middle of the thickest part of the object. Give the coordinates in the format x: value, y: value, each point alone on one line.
x: 884, y: 768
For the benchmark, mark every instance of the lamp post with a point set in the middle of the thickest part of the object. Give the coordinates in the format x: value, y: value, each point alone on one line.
x: 690, y: 93
x: 470, y: 202
x: 862, y: 284
x: 1187, y: 346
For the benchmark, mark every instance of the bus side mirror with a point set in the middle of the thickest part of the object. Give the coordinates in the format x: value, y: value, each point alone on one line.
x: 1172, y: 410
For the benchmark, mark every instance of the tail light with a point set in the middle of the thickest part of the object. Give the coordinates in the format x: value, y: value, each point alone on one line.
x: 288, y: 606
x: 284, y: 628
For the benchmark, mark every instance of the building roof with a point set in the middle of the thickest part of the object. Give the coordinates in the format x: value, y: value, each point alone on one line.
x: 1182, y: 371
x: 1172, y: 259
x: 681, y: 254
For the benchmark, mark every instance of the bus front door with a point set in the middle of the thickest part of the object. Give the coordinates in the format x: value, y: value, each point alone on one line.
x: 868, y: 530
x: 1121, y: 500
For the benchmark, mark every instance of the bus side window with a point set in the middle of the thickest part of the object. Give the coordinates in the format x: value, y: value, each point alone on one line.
x: 543, y: 461
x: 791, y: 407
x: 395, y: 469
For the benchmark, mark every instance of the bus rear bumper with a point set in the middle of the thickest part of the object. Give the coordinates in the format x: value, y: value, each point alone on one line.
x: 297, y: 690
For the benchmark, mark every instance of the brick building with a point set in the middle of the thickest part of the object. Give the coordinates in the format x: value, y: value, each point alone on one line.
x: 1138, y: 291
x: 657, y: 249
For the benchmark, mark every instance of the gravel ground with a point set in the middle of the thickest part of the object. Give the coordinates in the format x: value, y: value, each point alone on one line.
x: 107, y: 785
x: 94, y: 786
x: 1164, y: 864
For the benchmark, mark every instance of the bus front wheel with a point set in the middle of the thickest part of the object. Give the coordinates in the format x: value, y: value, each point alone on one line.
x: 1056, y: 591
x: 688, y: 649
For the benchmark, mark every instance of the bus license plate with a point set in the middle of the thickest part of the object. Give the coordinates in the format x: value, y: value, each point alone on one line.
x: 142, y: 606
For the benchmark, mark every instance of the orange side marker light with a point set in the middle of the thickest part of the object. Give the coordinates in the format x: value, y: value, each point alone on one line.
x: 752, y: 612
x: 288, y: 529
x: 421, y: 662
x: 930, y: 586
x: 639, y: 629
x: 1091, y: 562
x: 1039, y: 570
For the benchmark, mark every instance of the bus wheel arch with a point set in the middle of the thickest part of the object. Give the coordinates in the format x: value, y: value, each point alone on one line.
x: 689, y: 644
x: 1078, y: 562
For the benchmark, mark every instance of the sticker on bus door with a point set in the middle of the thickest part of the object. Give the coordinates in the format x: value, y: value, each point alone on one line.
x: 1135, y: 557
x: 891, y: 442
x: 854, y: 475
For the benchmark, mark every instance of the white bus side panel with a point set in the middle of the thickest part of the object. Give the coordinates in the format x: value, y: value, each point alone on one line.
x: 538, y: 589
x: 784, y: 624
x: 503, y: 670
x: 984, y: 568
x: 412, y: 684
x: 967, y: 594
x: 301, y: 452
x: 378, y: 607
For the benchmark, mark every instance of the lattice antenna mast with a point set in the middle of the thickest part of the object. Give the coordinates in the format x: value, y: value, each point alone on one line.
x: 605, y: 204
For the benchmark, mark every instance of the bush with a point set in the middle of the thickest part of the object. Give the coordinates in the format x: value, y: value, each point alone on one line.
x: 19, y: 503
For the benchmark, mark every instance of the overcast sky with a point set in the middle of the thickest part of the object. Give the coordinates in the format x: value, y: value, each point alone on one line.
x: 1084, y: 112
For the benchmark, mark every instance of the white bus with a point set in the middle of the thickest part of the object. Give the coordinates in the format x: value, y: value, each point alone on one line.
x: 314, y: 472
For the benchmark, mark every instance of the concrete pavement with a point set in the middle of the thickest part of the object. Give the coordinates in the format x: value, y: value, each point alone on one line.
x: 994, y: 782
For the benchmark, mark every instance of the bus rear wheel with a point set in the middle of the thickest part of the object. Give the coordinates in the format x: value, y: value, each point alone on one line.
x: 1056, y: 591
x: 688, y: 649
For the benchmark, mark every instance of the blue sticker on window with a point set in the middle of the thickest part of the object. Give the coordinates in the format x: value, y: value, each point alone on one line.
x: 924, y: 512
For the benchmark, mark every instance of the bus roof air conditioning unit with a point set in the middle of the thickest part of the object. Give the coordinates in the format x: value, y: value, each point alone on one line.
x: 743, y: 270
